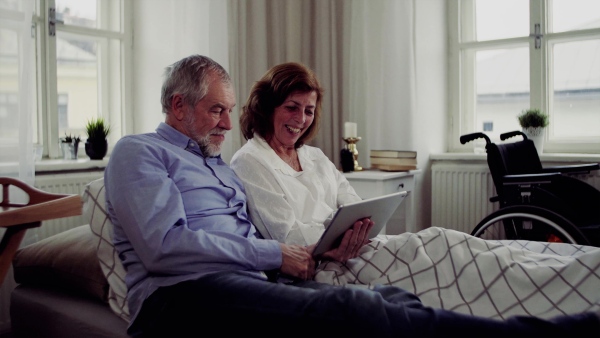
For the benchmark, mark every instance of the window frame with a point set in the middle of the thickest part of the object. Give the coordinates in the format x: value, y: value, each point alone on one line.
x: 461, y: 91
x: 113, y: 105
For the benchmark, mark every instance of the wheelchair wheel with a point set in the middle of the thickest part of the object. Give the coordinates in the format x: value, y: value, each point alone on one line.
x: 526, y: 222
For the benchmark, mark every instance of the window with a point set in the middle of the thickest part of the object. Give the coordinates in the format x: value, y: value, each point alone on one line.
x: 63, y: 115
x: 510, y: 55
x: 81, y: 51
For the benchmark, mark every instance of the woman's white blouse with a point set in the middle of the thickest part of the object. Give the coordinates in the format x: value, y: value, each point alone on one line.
x: 289, y: 206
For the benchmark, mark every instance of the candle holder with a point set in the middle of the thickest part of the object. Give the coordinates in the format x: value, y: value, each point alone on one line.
x: 351, y: 141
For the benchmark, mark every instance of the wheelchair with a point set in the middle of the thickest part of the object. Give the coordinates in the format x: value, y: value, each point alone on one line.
x: 537, y: 203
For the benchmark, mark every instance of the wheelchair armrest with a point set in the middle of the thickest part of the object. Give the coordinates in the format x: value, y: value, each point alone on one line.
x: 572, y: 169
x: 529, y: 178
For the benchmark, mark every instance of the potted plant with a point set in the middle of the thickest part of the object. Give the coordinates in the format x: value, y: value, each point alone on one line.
x: 96, y: 145
x: 69, y: 146
x: 534, y: 123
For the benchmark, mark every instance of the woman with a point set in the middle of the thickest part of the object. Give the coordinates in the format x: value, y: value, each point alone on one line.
x: 293, y: 189
x: 306, y: 188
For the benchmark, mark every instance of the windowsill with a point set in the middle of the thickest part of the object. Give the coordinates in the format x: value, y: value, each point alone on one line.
x: 47, y: 166
x: 586, y: 158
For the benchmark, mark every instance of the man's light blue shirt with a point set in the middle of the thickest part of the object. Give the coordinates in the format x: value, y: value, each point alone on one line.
x: 178, y: 215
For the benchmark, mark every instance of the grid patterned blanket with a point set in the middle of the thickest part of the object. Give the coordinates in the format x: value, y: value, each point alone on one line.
x: 489, y: 278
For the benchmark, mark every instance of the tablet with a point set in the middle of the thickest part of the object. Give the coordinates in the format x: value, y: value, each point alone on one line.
x: 378, y: 209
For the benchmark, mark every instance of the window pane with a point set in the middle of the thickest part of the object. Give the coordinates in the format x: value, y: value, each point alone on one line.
x: 77, y: 83
x: 502, y: 19
x: 88, y: 13
x: 10, y: 4
x: 575, y: 14
x: 502, y: 89
x: 9, y: 87
x: 576, y: 90
x: 77, y: 12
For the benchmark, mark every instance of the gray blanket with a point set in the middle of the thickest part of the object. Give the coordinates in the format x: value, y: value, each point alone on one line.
x: 496, y: 279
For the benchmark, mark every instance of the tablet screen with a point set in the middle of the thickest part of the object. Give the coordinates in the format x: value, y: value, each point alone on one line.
x: 379, y: 209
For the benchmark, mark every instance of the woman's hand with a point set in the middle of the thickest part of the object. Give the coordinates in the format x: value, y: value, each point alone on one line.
x: 352, y: 242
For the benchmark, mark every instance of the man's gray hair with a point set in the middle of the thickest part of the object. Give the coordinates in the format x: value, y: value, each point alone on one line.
x: 190, y: 77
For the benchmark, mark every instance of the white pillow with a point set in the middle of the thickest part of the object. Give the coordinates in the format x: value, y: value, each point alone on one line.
x: 94, y: 209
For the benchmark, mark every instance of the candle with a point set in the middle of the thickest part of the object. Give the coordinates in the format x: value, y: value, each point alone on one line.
x: 350, y: 129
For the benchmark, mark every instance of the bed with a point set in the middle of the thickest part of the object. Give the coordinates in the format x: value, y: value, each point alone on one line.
x: 488, y: 278
x: 72, y: 284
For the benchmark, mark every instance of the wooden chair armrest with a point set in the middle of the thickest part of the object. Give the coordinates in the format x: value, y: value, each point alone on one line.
x: 18, y: 217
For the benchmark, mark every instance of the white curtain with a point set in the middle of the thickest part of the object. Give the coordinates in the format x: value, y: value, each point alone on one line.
x: 383, y: 95
x: 17, y: 91
x: 17, y: 72
x: 362, y: 52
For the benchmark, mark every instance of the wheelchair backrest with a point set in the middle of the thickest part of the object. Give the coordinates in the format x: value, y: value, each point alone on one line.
x: 512, y: 159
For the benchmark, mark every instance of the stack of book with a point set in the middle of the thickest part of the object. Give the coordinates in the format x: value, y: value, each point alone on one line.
x: 394, y: 160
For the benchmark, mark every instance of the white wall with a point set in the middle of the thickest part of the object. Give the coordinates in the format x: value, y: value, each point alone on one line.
x: 431, y: 75
x: 165, y: 31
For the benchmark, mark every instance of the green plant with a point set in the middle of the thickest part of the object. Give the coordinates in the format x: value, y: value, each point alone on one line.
x: 70, y: 139
x: 97, y: 129
x: 67, y: 138
x: 533, y: 118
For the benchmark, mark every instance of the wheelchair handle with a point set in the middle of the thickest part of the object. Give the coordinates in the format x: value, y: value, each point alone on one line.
x: 512, y: 134
x: 473, y: 136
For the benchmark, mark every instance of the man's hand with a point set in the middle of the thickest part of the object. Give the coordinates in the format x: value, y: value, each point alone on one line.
x: 353, y: 240
x: 297, y: 262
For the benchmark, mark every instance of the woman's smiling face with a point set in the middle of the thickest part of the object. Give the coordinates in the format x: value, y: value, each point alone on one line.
x: 292, y: 118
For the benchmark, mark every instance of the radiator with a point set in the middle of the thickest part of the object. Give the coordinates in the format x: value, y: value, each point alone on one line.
x: 460, y: 193
x: 72, y: 183
x: 63, y: 184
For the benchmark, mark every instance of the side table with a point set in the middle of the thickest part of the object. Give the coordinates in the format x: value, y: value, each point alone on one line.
x: 372, y: 183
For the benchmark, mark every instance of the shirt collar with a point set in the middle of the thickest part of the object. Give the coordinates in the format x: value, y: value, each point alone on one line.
x: 305, y: 157
x: 178, y: 139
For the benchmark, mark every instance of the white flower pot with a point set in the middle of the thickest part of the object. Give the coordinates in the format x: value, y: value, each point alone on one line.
x: 537, y: 135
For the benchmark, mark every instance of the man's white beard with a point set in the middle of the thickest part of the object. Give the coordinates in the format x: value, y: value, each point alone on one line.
x: 208, y: 149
